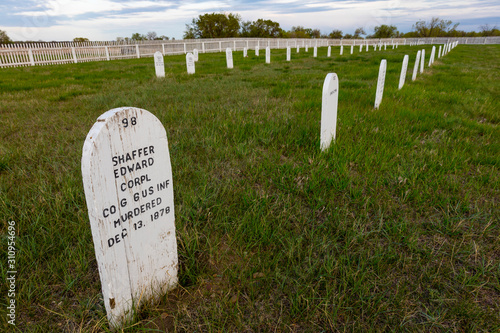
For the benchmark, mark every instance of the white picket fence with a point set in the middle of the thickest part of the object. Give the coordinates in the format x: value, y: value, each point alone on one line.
x: 36, y: 54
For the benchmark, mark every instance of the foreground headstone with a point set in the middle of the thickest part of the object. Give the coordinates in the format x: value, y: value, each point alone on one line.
x: 288, y: 53
x: 329, y: 110
x: 415, y: 67
x: 195, y: 54
x: 229, y: 57
x: 380, y: 83
x: 159, y: 64
x: 190, y: 63
x: 404, y: 69
x: 268, y: 55
x: 127, y: 179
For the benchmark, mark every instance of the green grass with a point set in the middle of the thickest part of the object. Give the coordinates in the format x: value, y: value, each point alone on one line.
x: 394, y: 228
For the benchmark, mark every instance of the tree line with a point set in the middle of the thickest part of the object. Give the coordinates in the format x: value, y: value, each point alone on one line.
x: 219, y: 25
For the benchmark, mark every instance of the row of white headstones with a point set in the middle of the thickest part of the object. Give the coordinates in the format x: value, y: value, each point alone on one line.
x: 329, y: 106
x: 127, y: 178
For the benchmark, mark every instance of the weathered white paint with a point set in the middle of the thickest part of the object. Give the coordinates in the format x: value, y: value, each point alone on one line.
x: 127, y: 179
x: 380, y: 83
x: 190, y: 63
x: 195, y: 54
x: 329, y: 110
x: 415, y: 67
x: 404, y: 69
x: 268, y: 55
x: 315, y: 52
x: 159, y: 64
x: 329, y: 52
x: 288, y: 53
x: 422, y: 59
x: 229, y: 57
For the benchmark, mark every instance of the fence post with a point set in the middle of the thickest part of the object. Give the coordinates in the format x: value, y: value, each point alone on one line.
x: 30, y: 54
x: 74, y: 54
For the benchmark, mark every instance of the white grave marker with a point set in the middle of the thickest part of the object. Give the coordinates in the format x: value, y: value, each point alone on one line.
x: 433, y: 53
x: 360, y: 47
x: 229, y: 57
x: 367, y: 47
x: 245, y: 52
x: 329, y: 110
x: 415, y: 68
x: 439, y: 52
x: 422, y: 59
x: 307, y: 49
x: 329, y: 52
x: 257, y: 51
x: 190, y: 63
x: 380, y: 83
x: 352, y: 48
x: 315, y: 52
x: 127, y: 179
x: 298, y: 49
x: 159, y: 64
x: 288, y: 53
x: 341, y: 49
x: 268, y: 55
x: 195, y: 54
x: 404, y: 69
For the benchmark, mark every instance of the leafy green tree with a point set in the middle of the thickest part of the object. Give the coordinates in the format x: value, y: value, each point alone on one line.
x: 487, y: 31
x: 436, y: 27
x: 336, y: 34
x: 358, y: 32
x: 261, y: 28
x: 4, y: 39
x: 138, y: 36
x: 214, y: 26
x: 300, y: 32
x: 80, y: 39
x: 385, y: 31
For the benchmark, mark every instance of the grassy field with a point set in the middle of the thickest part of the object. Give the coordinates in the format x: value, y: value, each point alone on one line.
x: 394, y: 228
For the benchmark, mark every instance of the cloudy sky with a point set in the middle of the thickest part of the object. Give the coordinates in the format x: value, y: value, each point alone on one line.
x: 107, y: 19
